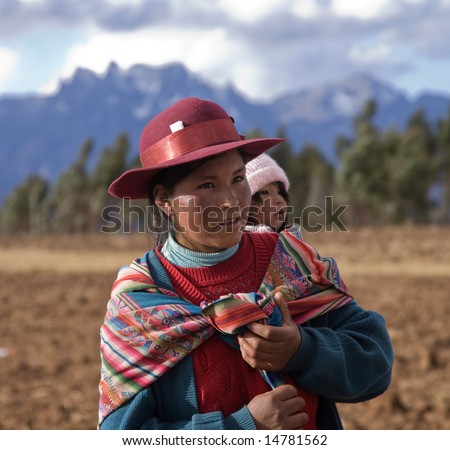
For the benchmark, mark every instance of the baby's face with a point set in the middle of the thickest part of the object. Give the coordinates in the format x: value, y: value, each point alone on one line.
x: 272, y: 209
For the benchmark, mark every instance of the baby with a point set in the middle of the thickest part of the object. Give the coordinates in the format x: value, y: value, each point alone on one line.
x: 269, y: 186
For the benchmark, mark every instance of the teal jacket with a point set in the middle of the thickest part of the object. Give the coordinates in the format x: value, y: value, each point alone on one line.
x: 345, y: 356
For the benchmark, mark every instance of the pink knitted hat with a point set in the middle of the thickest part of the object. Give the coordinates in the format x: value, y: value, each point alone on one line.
x: 264, y: 170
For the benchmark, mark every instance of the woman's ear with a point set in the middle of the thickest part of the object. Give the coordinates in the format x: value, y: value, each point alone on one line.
x: 162, y: 199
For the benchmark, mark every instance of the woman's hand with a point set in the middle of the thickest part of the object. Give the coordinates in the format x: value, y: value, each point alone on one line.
x: 280, y: 409
x: 270, y: 348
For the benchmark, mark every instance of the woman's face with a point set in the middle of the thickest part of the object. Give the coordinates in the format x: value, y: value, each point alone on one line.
x: 272, y: 209
x: 209, y: 207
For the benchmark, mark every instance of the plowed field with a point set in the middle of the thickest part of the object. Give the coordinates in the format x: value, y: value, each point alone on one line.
x: 53, y: 292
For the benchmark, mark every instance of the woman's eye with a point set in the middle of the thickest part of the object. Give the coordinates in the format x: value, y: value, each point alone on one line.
x: 239, y: 178
x: 206, y: 186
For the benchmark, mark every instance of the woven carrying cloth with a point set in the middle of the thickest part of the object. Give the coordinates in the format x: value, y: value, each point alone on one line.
x: 148, y: 329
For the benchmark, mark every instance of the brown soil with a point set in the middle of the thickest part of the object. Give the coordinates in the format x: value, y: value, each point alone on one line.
x: 51, y: 309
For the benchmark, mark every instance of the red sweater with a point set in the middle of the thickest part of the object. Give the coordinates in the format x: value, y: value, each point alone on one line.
x: 224, y: 381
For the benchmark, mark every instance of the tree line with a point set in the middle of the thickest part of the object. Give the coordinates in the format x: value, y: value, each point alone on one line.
x: 385, y: 177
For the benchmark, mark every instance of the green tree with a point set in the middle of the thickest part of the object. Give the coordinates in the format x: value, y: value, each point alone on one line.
x: 314, y: 177
x: 283, y: 153
x: 70, y: 197
x: 414, y: 170
x: 23, y: 210
x: 443, y: 167
x: 112, y: 163
x: 363, y: 177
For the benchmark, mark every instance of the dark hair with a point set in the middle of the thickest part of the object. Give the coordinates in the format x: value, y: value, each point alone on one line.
x: 159, y: 223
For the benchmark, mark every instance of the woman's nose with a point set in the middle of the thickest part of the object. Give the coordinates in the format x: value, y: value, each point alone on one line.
x: 229, y: 198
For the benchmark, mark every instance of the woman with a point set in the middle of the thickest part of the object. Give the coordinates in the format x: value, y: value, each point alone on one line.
x: 292, y: 340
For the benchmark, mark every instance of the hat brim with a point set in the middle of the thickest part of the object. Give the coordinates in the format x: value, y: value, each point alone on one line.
x: 134, y: 183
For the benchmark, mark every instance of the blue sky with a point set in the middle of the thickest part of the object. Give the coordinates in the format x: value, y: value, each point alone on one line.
x: 263, y: 47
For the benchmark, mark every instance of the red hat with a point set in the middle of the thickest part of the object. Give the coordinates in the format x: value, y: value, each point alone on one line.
x: 189, y: 130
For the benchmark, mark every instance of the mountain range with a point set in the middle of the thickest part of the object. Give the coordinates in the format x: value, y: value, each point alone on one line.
x: 42, y: 134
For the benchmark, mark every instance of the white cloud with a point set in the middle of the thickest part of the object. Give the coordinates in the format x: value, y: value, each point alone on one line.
x: 364, y: 10
x: 264, y: 47
x: 123, y: 2
x: 249, y: 11
x: 51, y: 87
x: 306, y: 9
x: 212, y: 53
x: 9, y: 60
x: 366, y: 55
x: 203, y: 51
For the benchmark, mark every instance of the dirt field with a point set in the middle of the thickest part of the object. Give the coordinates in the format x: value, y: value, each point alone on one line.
x: 52, y: 301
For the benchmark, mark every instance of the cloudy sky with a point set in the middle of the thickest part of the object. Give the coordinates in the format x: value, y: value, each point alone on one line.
x: 263, y: 47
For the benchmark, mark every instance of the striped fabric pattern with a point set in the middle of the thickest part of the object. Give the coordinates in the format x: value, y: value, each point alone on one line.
x: 147, y: 329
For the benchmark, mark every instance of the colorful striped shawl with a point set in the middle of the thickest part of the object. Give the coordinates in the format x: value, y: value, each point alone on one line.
x: 149, y: 329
